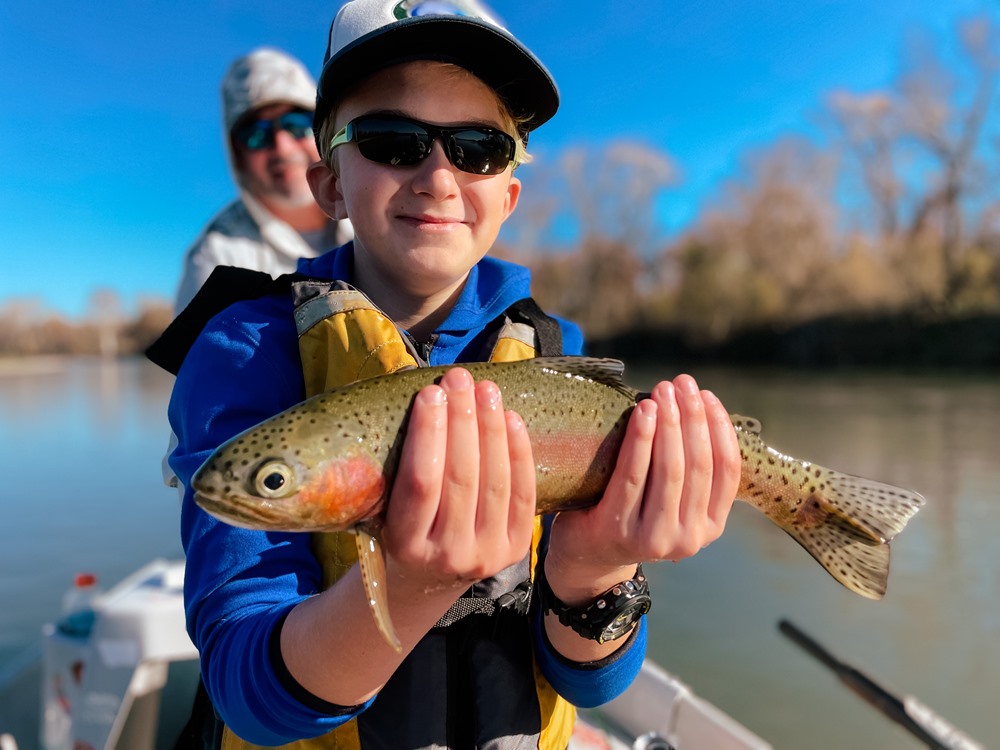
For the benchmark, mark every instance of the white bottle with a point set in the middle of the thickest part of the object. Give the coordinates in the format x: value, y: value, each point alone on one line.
x: 78, y: 606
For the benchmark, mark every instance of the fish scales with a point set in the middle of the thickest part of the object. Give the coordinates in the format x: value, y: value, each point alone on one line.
x: 328, y: 463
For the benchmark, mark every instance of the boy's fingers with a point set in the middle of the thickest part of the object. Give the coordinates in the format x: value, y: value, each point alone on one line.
x: 727, y: 461
x: 416, y: 494
x: 494, y: 473
x: 660, y: 505
x: 698, y: 456
x: 628, y: 481
x: 522, y: 482
x: 460, y: 484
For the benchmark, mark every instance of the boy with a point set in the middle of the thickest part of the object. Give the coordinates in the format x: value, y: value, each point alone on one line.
x: 422, y: 110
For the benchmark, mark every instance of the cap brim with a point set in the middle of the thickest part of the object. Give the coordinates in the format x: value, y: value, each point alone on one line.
x: 486, y: 51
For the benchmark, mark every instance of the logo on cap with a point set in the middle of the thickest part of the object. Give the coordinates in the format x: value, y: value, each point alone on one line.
x: 414, y: 8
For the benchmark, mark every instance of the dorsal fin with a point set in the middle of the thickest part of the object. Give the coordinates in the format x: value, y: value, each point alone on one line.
x: 609, y: 372
x: 747, y: 424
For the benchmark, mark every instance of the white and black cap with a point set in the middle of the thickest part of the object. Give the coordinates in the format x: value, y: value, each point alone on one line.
x: 264, y: 76
x: 368, y: 35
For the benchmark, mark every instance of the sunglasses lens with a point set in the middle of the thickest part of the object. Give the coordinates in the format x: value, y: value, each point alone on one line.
x: 254, y: 135
x: 480, y: 151
x: 298, y: 124
x: 399, y: 143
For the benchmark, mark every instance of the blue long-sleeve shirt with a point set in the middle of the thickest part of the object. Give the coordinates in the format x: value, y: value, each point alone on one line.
x: 240, y: 584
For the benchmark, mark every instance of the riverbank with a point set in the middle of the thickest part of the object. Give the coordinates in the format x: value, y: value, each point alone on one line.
x: 902, y: 341
x: 45, y: 364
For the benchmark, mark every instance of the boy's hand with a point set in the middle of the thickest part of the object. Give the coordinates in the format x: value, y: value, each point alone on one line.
x: 463, y: 502
x: 669, y: 496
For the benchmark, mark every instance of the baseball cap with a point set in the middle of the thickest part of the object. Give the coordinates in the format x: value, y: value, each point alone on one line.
x: 265, y: 76
x: 368, y: 35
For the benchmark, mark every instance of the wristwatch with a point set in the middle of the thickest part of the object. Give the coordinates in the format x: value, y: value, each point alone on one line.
x: 606, y: 618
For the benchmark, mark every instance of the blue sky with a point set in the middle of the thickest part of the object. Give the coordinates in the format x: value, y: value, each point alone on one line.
x: 112, y: 159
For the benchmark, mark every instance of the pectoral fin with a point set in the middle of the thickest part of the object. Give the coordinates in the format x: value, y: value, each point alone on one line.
x: 372, y: 563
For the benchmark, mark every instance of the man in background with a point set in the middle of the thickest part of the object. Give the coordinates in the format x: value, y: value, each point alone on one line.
x: 268, y: 100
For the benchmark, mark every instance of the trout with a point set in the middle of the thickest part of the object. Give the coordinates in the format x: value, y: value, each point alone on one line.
x: 327, y: 464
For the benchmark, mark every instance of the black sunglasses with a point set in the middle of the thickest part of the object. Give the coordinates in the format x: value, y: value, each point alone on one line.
x: 403, y: 142
x: 255, y: 135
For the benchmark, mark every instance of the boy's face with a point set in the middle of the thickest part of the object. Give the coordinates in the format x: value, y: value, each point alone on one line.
x: 418, y: 229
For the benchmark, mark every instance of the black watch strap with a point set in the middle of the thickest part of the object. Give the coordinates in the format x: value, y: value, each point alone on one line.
x: 607, y: 617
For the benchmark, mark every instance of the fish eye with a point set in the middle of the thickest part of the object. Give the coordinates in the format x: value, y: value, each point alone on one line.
x: 274, y: 479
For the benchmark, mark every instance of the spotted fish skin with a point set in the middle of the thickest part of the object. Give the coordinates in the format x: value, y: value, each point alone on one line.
x: 328, y: 463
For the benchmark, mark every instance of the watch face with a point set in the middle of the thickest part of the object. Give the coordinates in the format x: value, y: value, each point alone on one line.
x: 631, y: 611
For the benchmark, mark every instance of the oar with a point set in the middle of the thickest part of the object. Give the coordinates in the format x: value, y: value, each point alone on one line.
x: 908, y: 712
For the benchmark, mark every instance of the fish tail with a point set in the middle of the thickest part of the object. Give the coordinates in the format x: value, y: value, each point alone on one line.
x: 846, y: 523
x: 848, y: 555
x: 878, y: 510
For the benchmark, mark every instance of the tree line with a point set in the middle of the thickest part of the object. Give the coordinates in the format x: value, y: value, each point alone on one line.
x: 890, y: 216
x: 884, y: 227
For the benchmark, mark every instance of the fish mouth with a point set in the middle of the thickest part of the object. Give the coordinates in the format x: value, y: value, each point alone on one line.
x: 246, y: 513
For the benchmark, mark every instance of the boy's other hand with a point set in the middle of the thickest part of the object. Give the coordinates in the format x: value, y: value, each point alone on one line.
x: 669, y: 496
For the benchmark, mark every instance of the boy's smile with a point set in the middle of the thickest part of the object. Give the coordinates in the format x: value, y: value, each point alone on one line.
x: 430, y: 223
x: 418, y: 228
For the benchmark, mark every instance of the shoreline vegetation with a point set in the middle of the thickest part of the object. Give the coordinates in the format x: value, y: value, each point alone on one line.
x: 891, y: 342
x: 877, y: 342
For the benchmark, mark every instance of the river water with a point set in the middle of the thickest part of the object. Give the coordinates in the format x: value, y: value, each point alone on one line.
x: 82, y: 442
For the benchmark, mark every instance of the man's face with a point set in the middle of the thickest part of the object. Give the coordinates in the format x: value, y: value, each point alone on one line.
x: 420, y: 228
x: 276, y: 173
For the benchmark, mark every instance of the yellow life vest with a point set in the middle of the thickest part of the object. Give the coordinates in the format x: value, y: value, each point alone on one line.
x: 343, y: 338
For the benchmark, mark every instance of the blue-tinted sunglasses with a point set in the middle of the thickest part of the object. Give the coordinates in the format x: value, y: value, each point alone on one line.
x: 403, y: 142
x: 255, y: 135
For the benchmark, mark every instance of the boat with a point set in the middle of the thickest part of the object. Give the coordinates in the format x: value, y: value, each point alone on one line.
x: 127, y: 682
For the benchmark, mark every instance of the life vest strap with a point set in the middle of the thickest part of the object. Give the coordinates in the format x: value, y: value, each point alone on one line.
x: 546, y: 327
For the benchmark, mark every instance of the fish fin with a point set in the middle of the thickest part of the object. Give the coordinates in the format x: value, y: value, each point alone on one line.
x: 372, y: 562
x: 848, y: 555
x: 603, y: 370
x: 878, y: 510
x: 747, y: 424
x: 846, y: 524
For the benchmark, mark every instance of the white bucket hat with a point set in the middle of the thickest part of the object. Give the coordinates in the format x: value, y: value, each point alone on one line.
x: 367, y: 35
x: 265, y: 76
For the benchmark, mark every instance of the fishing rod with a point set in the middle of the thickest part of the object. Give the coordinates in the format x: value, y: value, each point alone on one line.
x: 908, y: 712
